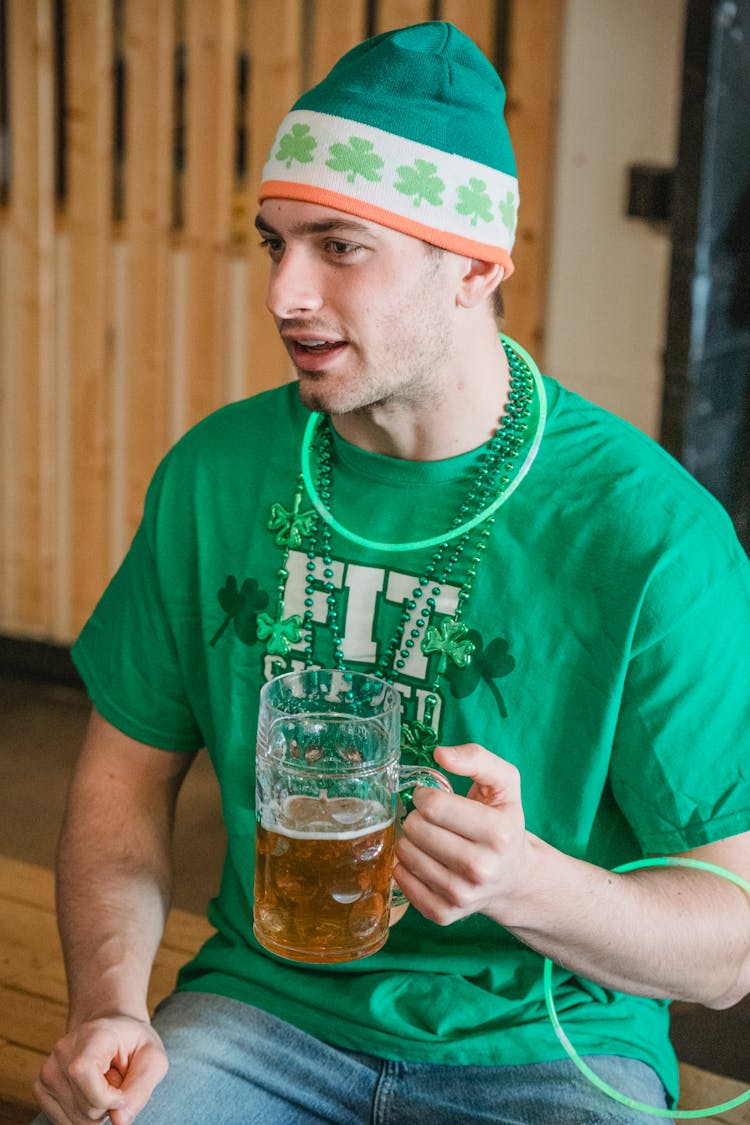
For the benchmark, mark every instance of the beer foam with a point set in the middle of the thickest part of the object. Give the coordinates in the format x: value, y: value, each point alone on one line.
x: 320, y: 833
x: 324, y: 818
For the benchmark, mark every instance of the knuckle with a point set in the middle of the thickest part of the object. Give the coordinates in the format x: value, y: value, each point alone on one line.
x: 435, y: 914
x: 479, y: 874
x: 478, y: 871
x: 502, y: 839
x: 77, y: 1070
x: 455, y: 895
x: 429, y: 799
x: 448, y: 911
x: 514, y: 773
x: 45, y: 1071
x: 163, y: 1065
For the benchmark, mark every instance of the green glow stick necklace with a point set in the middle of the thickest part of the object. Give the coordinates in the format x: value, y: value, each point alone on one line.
x: 308, y: 440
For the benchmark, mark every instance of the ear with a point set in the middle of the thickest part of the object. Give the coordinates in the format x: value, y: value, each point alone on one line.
x: 477, y: 282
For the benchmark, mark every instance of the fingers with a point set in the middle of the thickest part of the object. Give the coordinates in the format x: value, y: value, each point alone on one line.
x: 429, y: 886
x: 496, y: 781
x: 69, y: 1095
x: 490, y: 814
x: 454, y: 850
x: 147, y: 1068
x: 459, y: 855
x: 103, y: 1068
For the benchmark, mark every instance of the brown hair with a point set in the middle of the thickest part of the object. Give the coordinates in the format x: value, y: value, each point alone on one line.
x: 498, y: 304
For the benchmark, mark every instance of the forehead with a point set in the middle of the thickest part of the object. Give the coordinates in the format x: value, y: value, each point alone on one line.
x: 294, y: 218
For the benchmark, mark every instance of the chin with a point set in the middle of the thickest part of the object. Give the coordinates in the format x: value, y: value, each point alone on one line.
x: 327, y: 401
x: 313, y: 398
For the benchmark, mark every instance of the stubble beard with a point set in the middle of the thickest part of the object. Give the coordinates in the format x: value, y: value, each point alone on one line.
x: 398, y: 383
x: 381, y: 388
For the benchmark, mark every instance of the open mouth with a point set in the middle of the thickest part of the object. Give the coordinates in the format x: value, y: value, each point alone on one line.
x: 318, y: 347
x: 314, y: 355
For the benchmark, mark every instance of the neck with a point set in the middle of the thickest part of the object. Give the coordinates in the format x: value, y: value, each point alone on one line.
x: 503, y: 467
x: 459, y: 413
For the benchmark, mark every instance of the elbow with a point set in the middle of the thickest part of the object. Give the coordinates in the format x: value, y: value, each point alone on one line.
x: 736, y: 991
x: 727, y: 999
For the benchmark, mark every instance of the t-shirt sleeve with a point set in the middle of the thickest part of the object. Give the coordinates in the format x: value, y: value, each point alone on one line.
x: 126, y: 653
x: 681, y: 761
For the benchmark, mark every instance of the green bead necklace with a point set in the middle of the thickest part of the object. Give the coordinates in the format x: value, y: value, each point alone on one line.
x: 464, y: 542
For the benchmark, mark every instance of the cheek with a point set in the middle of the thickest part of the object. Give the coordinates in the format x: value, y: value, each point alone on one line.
x: 391, y: 300
x: 400, y: 302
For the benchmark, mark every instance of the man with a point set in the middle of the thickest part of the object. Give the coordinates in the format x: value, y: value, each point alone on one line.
x: 564, y: 611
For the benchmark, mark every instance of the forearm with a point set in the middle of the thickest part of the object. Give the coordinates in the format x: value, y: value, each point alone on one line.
x: 112, y: 901
x: 114, y: 870
x: 663, y: 932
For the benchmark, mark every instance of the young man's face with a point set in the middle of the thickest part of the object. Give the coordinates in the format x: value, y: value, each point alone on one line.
x: 366, y: 313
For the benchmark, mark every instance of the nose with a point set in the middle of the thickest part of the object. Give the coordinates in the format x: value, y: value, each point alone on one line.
x: 294, y: 286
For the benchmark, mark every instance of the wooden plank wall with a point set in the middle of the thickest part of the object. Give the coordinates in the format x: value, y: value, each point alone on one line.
x: 132, y: 134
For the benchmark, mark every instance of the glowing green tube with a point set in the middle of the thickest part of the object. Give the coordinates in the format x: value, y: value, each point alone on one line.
x: 655, y: 1111
x: 308, y: 438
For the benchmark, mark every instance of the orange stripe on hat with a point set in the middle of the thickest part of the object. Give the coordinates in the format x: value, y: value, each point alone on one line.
x: 447, y: 240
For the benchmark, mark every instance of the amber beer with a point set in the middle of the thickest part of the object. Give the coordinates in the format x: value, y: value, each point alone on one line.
x: 322, y: 878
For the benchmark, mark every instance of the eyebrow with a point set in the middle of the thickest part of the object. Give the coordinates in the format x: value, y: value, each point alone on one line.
x: 319, y: 226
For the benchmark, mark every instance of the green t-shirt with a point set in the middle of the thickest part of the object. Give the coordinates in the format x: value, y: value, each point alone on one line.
x: 611, y: 617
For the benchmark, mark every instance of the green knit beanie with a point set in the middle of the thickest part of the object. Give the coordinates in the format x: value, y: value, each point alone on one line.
x: 407, y: 131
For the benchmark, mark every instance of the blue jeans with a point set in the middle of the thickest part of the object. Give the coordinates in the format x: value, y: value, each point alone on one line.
x: 232, y: 1064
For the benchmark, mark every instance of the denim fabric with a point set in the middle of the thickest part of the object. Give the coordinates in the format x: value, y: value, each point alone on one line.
x: 232, y: 1064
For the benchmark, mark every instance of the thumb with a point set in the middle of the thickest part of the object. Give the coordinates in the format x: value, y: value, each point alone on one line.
x: 146, y: 1069
x: 496, y: 782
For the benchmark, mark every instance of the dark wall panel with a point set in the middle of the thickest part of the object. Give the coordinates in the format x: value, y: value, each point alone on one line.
x: 706, y: 415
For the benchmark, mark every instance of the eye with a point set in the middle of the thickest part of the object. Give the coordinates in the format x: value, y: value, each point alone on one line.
x: 274, y: 247
x: 340, y: 249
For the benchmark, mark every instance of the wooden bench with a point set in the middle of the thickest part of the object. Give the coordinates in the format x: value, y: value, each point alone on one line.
x: 32, y: 993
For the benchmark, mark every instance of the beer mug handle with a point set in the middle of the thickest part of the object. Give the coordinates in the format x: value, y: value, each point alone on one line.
x: 409, y: 778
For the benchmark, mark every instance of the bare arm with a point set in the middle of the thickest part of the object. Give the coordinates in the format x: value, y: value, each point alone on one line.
x: 666, y: 932
x: 113, y: 891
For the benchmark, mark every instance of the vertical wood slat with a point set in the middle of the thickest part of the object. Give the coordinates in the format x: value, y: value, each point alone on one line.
x: 335, y: 28
x: 149, y: 45
x: 210, y: 40
x: 476, y: 18
x: 27, y: 349
x: 533, y: 67
x: 89, y: 43
x: 7, y: 461
x: 275, y: 83
x: 390, y: 14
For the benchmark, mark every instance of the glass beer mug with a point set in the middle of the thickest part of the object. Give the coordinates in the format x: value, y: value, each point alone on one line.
x: 327, y: 797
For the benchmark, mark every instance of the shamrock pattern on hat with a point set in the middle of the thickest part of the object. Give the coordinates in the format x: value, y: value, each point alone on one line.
x: 356, y: 158
x: 421, y: 182
x: 473, y: 200
x: 442, y: 185
x: 507, y: 209
x: 297, y: 145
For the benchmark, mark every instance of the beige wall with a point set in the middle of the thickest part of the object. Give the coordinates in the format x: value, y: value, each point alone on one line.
x: 606, y: 313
